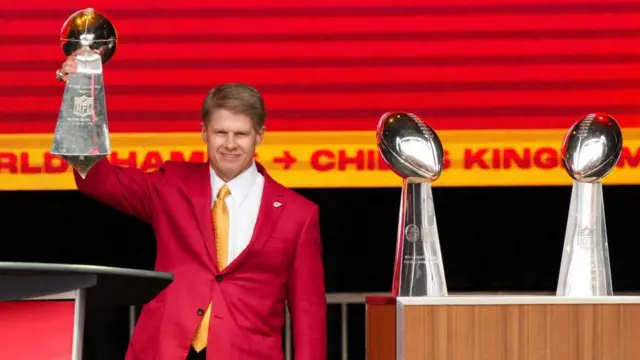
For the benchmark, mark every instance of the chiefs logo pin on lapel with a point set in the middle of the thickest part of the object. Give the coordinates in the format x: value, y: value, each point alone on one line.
x: 277, y: 204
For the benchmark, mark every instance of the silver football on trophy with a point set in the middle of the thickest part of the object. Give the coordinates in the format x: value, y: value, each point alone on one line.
x: 91, y: 29
x: 592, y: 147
x: 410, y: 146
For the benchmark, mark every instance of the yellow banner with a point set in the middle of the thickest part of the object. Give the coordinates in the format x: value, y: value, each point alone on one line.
x: 328, y: 159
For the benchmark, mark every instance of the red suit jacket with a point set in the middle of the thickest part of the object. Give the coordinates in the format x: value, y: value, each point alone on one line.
x: 282, y: 262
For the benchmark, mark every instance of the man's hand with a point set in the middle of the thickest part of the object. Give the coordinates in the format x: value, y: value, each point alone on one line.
x: 69, y: 67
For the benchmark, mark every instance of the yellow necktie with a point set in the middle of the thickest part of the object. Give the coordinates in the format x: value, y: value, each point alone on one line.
x: 220, y: 215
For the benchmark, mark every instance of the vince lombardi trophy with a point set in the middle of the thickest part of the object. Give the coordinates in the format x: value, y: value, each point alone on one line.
x: 413, y: 150
x: 590, y: 151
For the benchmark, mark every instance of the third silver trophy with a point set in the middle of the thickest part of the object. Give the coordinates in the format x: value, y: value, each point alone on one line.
x: 413, y: 150
x: 590, y: 151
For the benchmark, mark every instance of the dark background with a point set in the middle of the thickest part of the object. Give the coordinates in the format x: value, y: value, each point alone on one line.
x: 492, y: 239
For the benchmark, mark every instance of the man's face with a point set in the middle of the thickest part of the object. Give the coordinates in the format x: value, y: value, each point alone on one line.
x: 231, y: 142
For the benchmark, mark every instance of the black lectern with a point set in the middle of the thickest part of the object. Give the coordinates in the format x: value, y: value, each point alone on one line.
x: 87, y: 286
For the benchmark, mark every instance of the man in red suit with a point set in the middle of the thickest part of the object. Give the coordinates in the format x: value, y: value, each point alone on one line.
x: 240, y: 245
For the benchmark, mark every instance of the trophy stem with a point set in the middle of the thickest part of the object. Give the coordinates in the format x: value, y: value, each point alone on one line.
x: 585, y: 269
x: 418, y: 267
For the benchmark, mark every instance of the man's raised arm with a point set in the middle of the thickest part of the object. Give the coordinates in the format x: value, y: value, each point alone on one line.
x: 129, y: 190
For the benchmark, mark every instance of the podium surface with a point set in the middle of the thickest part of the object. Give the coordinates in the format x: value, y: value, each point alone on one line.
x: 105, y: 286
x: 503, y: 328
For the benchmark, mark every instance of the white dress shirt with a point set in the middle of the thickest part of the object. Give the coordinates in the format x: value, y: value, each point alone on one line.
x: 243, y: 204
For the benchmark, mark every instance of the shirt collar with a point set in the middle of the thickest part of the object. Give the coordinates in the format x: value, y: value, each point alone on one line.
x: 239, y: 186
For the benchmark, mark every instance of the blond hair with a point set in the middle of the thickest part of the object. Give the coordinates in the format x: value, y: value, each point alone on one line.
x: 236, y: 98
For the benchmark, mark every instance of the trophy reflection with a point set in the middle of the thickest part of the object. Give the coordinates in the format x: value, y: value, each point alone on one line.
x: 82, y: 134
x: 590, y: 150
x: 414, y: 152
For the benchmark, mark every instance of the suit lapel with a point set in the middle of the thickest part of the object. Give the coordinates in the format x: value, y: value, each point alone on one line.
x: 271, y: 207
x: 199, y: 189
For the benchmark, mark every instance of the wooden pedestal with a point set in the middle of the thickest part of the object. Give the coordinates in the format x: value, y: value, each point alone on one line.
x: 503, y: 328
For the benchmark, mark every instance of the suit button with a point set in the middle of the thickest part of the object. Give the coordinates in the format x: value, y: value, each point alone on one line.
x: 219, y: 278
x: 200, y: 312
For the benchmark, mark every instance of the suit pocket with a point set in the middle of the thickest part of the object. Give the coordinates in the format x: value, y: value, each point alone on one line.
x: 275, y: 254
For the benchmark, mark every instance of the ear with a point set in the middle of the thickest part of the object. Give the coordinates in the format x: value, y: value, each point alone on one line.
x: 261, y: 132
x: 203, y: 132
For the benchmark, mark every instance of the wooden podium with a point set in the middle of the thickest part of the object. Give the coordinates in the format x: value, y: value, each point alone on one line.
x: 503, y: 328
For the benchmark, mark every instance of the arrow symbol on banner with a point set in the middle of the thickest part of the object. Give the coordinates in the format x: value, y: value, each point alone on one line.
x: 287, y: 160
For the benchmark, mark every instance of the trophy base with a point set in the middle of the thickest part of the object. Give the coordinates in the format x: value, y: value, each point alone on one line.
x: 82, y: 163
x: 81, y: 136
x: 419, y: 269
x: 585, y: 269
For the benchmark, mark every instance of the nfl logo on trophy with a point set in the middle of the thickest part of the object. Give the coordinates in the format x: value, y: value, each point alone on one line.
x: 83, y: 106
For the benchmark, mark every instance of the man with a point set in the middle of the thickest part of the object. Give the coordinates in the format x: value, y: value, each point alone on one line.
x: 238, y: 243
